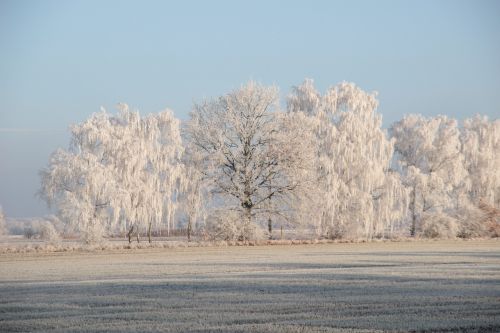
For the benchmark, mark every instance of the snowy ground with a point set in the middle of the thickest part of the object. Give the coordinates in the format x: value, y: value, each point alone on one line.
x: 451, y: 286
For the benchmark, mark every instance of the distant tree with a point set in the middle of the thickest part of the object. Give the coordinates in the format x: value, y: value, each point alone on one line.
x: 251, y: 153
x: 29, y: 232
x: 3, y: 227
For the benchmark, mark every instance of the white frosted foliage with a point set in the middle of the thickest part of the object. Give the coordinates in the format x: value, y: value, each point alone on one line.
x: 481, y: 150
x: 241, y: 163
x: 357, y: 193
x: 120, y: 171
x: 251, y: 153
x: 432, y: 167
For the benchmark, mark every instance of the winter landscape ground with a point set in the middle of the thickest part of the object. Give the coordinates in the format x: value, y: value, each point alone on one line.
x: 427, y: 286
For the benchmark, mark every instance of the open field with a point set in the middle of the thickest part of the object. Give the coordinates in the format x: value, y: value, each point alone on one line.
x: 446, y: 286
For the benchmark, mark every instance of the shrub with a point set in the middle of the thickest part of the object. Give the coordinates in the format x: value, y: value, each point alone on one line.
x: 471, y: 221
x: 438, y: 225
x: 491, y: 218
x: 29, y: 232
x: 93, y: 233
x: 49, y: 233
x: 228, y: 226
x: 336, y: 231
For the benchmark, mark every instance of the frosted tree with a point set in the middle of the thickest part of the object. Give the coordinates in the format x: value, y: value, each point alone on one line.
x: 81, y: 181
x: 357, y: 193
x: 193, y: 193
x: 80, y: 187
x: 251, y: 153
x: 3, y: 227
x: 147, y: 161
x: 480, y: 140
x: 479, y: 199
x: 167, y: 164
x: 120, y: 172
x: 428, y: 151
x: 294, y: 140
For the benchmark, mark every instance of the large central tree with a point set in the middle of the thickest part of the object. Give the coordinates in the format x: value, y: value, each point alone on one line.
x: 251, y: 152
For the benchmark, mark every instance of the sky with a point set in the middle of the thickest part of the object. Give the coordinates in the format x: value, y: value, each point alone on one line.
x: 60, y: 61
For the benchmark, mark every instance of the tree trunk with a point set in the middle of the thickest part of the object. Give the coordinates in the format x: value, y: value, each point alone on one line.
x: 281, y: 232
x: 248, y: 222
x: 129, y: 234
x: 189, y: 226
x: 149, y: 232
x: 270, y: 227
x: 413, y: 213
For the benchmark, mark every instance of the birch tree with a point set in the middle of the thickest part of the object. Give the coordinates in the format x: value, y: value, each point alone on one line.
x: 480, y: 139
x: 429, y: 154
x: 357, y: 193
x: 147, y: 160
x: 120, y: 171
x: 193, y: 193
x: 81, y: 188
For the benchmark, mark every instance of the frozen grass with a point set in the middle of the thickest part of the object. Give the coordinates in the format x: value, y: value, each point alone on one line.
x: 447, y: 286
x: 19, y: 245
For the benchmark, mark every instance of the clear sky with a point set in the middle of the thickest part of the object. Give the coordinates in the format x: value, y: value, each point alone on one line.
x: 61, y: 60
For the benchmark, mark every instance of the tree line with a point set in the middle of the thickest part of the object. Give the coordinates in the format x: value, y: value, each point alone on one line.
x: 242, y: 164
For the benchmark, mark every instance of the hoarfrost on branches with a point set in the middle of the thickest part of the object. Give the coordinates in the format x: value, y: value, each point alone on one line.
x: 428, y: 151
x: 49, y: 233
x: 242, y: 163
x: 252, y: 154
x: 120, y: 171
x: 358, y: 194
x: 481, y: 150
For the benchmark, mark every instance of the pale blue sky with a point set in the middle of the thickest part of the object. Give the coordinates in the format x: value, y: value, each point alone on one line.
x: 61, y: 60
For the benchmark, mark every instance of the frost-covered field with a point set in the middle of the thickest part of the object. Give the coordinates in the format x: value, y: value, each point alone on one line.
x: 448, y: 286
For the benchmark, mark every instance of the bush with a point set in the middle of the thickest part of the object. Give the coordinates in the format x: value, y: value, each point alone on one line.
x: 438, y: 225
x: 491, y: 218
x: 93, y: 233
x: 49, y: 233
x: 482, y: 220
x: 29, y: 232
x: 471, y: 222
x: 229, y: 226
x: 336, y: 231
